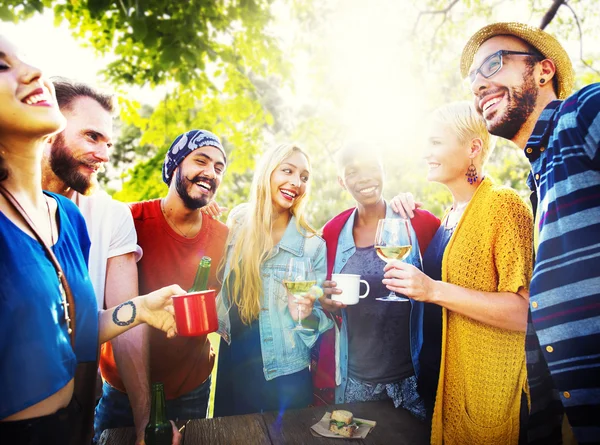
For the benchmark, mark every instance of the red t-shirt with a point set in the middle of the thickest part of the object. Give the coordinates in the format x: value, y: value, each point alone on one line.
x: 182, y: 363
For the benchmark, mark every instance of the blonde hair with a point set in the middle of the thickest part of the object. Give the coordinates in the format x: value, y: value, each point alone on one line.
x: 253, y: 244
x: 464, y: 120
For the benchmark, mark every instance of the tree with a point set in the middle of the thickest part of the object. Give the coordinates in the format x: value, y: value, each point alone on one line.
x: 235, y: 114
x: 157, y: 41
x: 127, y: 150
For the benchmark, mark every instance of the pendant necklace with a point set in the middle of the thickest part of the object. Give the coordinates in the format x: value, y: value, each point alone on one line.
x: 61, y: 289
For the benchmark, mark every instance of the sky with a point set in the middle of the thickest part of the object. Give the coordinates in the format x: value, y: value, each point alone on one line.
x: 57, y: 53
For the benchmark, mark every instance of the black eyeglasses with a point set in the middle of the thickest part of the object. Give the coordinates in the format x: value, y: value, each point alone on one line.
x: 493, y: 63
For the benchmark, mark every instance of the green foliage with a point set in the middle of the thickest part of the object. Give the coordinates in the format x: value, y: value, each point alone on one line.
x: 14, y: 10
x: 234, y: 113
x: 148, y: 181
x: 128, y: 149
x: 156, y: 41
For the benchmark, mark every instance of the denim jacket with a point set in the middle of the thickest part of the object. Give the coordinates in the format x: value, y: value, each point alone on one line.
x: 283, y: 351
x: 345, y: 250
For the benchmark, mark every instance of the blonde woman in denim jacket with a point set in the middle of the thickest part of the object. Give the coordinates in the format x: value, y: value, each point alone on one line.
x: 263, y: 364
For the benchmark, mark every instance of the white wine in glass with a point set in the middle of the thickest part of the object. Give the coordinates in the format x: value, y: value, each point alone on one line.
x: 393, y: 241
x: 299, y: 287
x: 299, y: 277
x: 391, y: 253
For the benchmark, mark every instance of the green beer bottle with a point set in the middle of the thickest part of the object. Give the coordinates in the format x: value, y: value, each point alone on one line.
x: 201, y: 280
x: 159, y: 430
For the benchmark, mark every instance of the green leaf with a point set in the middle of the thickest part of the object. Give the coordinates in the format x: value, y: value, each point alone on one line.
x: 151, y: 38
x: 97, y: 7
x: 184, y: 77
x: 140, y: 30
x: 6, y: 14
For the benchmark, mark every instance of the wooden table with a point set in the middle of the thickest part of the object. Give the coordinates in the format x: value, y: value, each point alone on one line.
x: 394, y: 427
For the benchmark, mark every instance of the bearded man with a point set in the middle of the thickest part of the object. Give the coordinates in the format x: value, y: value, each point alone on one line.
x: 70, y: 166
x: 175, y: 234
x: 521, y: 79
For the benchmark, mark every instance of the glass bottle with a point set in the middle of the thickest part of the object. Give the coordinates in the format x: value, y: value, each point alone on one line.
x: 159, y: 430
x: 201, y: 280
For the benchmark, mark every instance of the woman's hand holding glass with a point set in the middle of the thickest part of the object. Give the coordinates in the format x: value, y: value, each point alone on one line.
x: 302, y: 306
x: 409, y: 280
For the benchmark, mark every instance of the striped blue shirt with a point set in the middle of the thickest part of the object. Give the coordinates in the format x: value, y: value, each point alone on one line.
x: 564, y: 152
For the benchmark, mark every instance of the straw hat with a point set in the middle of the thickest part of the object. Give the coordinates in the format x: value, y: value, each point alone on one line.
x: 547, y: 45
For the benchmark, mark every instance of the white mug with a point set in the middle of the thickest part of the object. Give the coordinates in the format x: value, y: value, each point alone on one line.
x: 350, y: 286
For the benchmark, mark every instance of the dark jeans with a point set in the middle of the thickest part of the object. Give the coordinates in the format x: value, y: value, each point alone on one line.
x: 53, y: 429
x: 114, y: 410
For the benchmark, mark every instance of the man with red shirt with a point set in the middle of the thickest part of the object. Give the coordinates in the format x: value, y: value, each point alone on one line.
x: 174, y: 235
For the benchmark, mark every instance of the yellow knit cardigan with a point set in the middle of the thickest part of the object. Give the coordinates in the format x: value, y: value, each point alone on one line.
x: 483, y: 373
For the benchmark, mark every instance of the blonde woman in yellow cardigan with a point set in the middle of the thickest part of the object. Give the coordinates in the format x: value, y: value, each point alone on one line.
x: 483, y: 257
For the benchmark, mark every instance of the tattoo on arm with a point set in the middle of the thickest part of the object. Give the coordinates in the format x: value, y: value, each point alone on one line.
x: 115, y: 316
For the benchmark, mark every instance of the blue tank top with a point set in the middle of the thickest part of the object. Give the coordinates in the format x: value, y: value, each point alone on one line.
x: 35, y: 349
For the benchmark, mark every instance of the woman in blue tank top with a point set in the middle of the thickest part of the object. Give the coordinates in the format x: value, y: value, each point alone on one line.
x: 38, y: 362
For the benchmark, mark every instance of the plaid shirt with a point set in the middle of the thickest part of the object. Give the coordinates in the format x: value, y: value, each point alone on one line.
x: 564, y: 152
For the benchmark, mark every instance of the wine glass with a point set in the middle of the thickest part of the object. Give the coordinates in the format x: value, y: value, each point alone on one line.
x: 298, y: 278
x: 393, y: 241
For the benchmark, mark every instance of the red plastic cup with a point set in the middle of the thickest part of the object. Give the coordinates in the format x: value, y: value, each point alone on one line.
x: 196, y: 313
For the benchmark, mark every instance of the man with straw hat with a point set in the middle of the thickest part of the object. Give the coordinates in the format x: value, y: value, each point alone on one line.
x: 521, y: 78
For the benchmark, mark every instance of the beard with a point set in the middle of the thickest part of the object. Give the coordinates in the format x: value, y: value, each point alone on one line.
x: 521, y: 103
x: 181, y: 185
x: 65, y: 167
